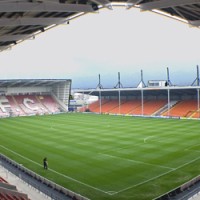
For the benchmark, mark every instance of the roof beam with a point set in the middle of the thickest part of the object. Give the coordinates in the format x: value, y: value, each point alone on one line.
x: 3, y: 48
x: 5, y: 22
x: 167, y: 3
x: 44, y: 7
x: 104, y: 3
x: 131, y: 3
x: 195, y: 23
x: 8, y: 38
x: 134, y: 1
x: 14, y: 83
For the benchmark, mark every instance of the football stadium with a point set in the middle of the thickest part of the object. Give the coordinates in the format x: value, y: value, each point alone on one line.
x: 120, y: 143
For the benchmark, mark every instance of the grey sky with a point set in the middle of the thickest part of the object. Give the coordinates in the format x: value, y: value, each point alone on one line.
x: 106, y: 43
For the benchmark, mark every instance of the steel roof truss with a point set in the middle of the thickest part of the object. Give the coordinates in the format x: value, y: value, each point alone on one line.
x: 27, y: 83
x: 167, y: 4
x: 31, y: 21
x: 44, y: 7
x: 3, y: 48
x: 104, y: 3
x: 195, y: 23
x: 14, y: 83
x: 41, y: 82
x: 179, y: 13
x: 7, y: 38
x: 131, y: 3
x: 184, y: 10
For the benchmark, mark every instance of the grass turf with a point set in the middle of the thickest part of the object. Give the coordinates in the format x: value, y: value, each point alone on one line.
x: 106, y: 157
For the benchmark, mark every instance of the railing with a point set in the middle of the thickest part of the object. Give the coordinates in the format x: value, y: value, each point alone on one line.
x: 42, y: 184
x: 183, y: 192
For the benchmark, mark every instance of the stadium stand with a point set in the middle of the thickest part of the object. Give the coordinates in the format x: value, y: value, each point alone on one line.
x: 132, y: 107
x: 2, y: 180
x: 184, y: 108
x: 179, y: 101
x: 15, y: 109
x: 49, y: 103
x: 118, y: 107
x: 93, y: 107
x: 196, y: 114
x: 129, y: 105
x: 43, y: 185
x: 34, y: 97
x: 149, y: 107
x: 10, y: 192
x: 110, y: 105
x: 20, y: 105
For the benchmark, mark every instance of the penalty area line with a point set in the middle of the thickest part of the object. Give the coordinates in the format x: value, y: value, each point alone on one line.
x: 143, y: 182
x: 63, y: 175
x: 137, y: 161
x: 155, y: 177
x: 190, y: 148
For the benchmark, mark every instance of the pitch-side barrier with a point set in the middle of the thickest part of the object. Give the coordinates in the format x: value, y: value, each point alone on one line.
x: 49, y: 188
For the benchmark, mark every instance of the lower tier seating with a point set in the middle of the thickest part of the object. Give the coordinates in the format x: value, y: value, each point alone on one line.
x: 9, y: 192
x: 183, y: 108
x: 19, y: 105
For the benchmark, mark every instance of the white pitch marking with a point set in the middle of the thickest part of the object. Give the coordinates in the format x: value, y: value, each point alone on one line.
x: 111, y: 192
x: 188, y: 149
x: 145, y: 139
x: 68, y: 177
x: 153, y: 178
x: 143, y: 182
x: 137, y: 161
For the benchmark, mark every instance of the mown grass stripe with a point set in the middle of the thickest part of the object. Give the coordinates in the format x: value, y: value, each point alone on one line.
x: 63, y: 175
x: 73, y: 144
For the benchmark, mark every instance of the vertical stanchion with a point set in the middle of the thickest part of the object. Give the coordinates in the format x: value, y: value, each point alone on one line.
x: 142, y: 102
x: 168, y: 101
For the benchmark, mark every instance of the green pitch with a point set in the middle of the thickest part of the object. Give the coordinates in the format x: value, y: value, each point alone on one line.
x: 106, y: 157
